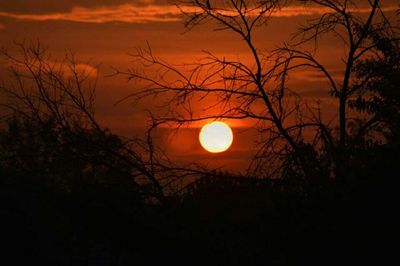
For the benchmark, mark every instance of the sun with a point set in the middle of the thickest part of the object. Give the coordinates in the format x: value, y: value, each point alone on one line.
x: 216, y: 137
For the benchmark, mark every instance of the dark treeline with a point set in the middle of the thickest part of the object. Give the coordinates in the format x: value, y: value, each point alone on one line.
x: 60, y: 205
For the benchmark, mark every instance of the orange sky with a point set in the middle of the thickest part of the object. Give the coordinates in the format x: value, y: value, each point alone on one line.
x: 105, y: 31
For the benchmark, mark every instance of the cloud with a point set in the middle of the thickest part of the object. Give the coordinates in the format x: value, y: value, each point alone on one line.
x: 65, y: 69
x: 83, y: 69
x: 150, y: 12
x: 311, y: 75
x: 123, y: 13
x: 293, y: 11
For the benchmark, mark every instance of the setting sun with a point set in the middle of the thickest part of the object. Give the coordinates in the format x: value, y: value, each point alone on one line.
x: 216, y: 137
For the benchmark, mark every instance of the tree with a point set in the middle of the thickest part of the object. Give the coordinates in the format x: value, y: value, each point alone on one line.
x: 259, y: 90
x: 53, y: 132
x: 376, y: 87
x: 357, y: 35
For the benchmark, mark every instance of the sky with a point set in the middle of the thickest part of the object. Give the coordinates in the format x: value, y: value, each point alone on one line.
x: 105, y: 32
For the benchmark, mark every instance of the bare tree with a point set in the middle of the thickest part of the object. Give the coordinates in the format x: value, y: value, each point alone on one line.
x: 259, y: 90
x: 42, y: 89
x: 238, y: 87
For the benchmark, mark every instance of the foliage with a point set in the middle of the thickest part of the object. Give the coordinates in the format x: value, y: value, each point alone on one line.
x: 377, y: 88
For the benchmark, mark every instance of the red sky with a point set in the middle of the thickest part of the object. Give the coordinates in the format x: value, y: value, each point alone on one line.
x: 105, y: 31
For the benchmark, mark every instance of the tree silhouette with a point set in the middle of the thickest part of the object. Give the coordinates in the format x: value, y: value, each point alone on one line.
x: 239, y: 87
x: 377, y: 89
x: 284, y: 118
x: 51, y: 116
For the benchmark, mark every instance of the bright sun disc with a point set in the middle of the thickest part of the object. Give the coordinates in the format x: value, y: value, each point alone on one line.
x: 216, y: 137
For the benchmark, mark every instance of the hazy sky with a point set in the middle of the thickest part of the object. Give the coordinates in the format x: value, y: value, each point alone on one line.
x: 105, y: 31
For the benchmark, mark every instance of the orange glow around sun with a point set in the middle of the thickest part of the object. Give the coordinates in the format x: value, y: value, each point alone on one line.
x: 216, y: 137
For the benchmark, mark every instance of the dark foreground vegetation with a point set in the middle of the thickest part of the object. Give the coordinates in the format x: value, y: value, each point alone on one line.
x: 61, y: 206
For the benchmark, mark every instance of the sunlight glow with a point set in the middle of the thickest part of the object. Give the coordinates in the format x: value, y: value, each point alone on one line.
x: 216, y: 137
